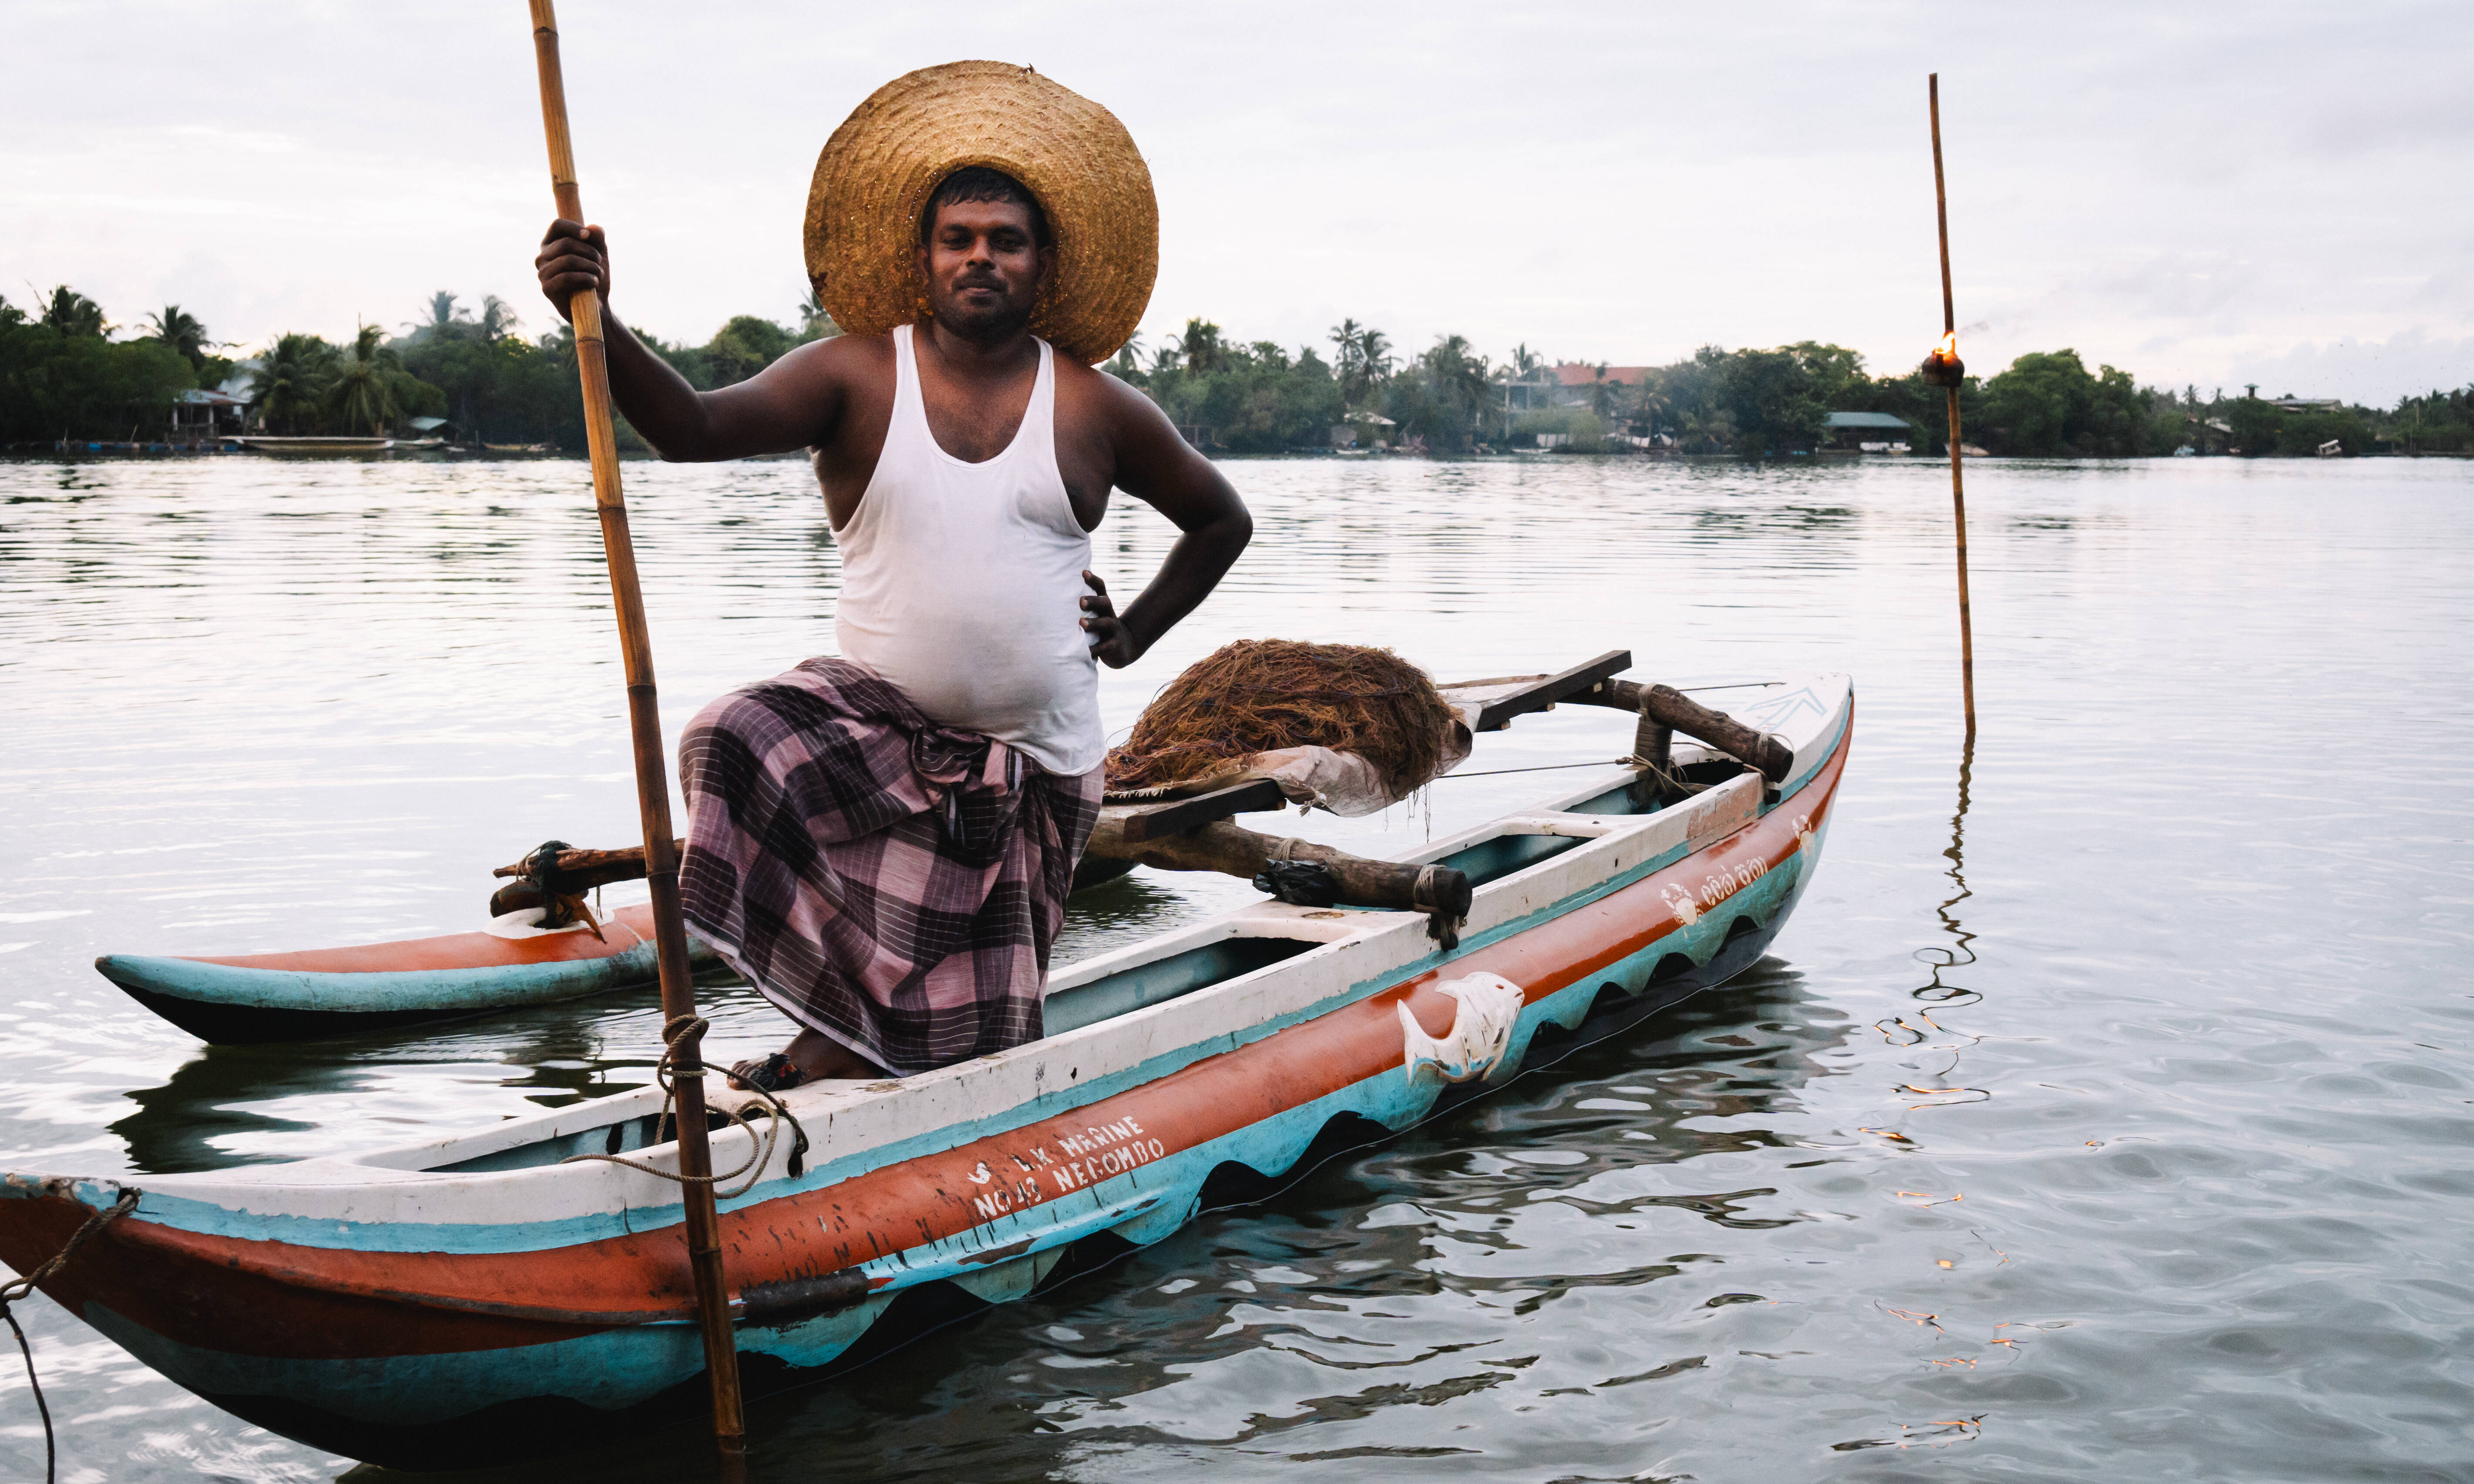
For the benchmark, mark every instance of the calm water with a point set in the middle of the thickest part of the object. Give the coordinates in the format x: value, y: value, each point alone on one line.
x: 2102, y: 1114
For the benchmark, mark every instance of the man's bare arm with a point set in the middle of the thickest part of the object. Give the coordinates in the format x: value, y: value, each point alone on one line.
x: 792, y: 405
x: 1157, y: 466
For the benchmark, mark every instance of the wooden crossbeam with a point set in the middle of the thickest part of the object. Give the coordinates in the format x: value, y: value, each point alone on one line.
x: 1175, y: 816
x: 1539, y: 694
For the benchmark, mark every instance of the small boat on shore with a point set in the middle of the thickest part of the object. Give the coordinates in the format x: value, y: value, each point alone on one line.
x: 513, y: 1291
x: 262, y: 444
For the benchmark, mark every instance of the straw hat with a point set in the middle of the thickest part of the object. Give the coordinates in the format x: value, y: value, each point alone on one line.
x: 881, y: 165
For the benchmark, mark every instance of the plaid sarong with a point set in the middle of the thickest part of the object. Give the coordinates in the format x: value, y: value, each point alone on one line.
x: 890, y: 883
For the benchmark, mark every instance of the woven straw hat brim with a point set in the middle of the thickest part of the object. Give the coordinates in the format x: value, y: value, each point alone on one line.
x: 879, y: 168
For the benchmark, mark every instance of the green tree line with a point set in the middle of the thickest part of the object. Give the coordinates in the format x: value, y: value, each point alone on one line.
x: 68, y: 373
x: 1258, y: 398
x: 63, y: 376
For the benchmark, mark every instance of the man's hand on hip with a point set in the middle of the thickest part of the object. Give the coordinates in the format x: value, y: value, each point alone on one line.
x: 1112, y: 642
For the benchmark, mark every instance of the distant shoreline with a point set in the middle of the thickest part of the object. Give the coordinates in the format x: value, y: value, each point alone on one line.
x: 91, y: 453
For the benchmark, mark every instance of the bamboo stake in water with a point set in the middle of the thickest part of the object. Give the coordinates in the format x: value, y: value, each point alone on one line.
x: 652, y: 789
x: 1957, y: 483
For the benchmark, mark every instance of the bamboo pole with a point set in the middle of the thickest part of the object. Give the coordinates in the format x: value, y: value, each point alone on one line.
x: 652, y: 795
x: 1958, y: 481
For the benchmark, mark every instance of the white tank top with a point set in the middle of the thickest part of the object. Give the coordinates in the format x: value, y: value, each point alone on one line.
x: 963, y: 583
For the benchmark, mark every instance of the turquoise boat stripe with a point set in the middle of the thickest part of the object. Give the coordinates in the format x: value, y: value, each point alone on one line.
x: 491, y: 987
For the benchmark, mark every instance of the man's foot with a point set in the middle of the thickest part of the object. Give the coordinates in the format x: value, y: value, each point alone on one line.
x: 809, y: 1058
x: 776, y: 1073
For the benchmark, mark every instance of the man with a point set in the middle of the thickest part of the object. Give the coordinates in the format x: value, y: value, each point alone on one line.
x: 882, y: 841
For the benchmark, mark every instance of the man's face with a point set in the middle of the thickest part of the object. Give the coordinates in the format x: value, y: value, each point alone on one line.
x: 983, y: 268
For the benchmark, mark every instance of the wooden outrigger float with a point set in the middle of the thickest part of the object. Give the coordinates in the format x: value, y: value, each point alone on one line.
x: 326, y: 993
x: 480, y: 1298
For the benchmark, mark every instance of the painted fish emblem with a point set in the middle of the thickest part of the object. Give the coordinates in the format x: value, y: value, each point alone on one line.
x: 1480, y: 1036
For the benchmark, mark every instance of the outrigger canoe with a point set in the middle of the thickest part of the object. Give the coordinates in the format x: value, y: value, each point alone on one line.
x: 478, y: 1298
x: 322, y: 993
x: 514, y: 961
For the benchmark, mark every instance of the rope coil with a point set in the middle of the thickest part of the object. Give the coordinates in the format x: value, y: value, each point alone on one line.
x: 761, y: 1155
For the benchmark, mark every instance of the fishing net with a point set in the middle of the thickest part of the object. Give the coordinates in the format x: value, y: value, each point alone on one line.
x: 1265, y: 694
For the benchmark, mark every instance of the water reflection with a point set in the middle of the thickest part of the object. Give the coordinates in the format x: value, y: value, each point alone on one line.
x: 1918, y: 1027
x: 201, y: 1120
x: 219, y: 1108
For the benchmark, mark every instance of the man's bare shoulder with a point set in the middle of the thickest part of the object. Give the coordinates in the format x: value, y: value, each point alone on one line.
x: 842, y: 359
x: 1090, y: 393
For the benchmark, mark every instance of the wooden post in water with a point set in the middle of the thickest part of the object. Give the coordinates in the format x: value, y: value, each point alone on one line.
x: 681, y: 1029
x: 1948, y: 352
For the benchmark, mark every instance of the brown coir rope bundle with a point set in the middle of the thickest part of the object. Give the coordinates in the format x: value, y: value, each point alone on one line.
x: 1260, y: 695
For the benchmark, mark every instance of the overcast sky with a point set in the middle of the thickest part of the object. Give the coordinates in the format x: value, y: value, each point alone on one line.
x: 2218, y: 193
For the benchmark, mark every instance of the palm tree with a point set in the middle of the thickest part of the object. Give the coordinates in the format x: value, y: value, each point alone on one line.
x: 1602, y: 391
x: 1364, y: 358
x: 290, y: 380
x: 1652, y: 401
x: 445, y: 318
x: 1375, y: 353
x: 72, y: 313
x: 1463, y: 374
x: 814, y: 323
x: 1712, y: 431
x: 497, y: 319
x: 182, y: 331
x: 1374, y: 360
x: 1457, y: 376
x: 1344, y: 339
x: 1201, y: 347
x: 362, y: 393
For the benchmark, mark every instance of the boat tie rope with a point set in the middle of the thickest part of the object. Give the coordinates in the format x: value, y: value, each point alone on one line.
x: 1543, y: 767
x: 1442, y: 925
x: 760, y: 1153
x: 12, y: 1292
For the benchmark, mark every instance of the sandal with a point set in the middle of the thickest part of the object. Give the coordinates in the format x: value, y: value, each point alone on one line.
x: 776, y: 1073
